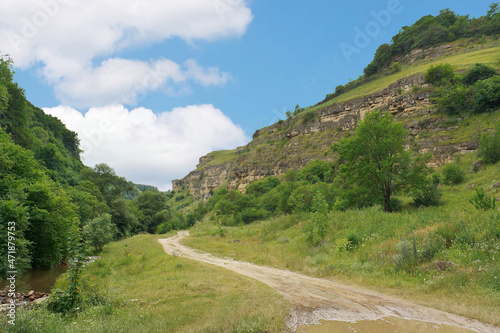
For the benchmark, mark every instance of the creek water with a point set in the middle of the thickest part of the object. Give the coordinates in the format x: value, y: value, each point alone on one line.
x: 384, y: 325
x: 41, y: 280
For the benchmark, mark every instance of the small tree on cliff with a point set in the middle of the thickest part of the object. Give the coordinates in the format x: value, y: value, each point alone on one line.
x: 374, y: 163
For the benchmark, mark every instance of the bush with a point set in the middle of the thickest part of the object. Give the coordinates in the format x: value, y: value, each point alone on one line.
x: 427, y: 195
x: 396, y: 67
x: 452, y: 174
x: 477, y: 73
x: 440, y: 75
x: 482, y: 201
x: 486, y: 94
x: 395, y: 205
x: 489, y: 147
x: 453, y: 100
x: 406, y: 255
x: 100, y: 231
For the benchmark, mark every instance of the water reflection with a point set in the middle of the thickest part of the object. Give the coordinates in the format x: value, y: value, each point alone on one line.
x: 384, y: 325
x: 37, y: 279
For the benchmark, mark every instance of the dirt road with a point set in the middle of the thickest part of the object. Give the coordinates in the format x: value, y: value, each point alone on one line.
x: 316, y: 299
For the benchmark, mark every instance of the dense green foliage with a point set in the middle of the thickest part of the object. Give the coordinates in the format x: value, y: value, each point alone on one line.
x: 39, y: 208
x: 46, y: 191
x: 489, y: 146
x: 481, y: 200
x: 375, y: 164
x: 477, y: 91
x: 433, y: 30
x: 452, y: 174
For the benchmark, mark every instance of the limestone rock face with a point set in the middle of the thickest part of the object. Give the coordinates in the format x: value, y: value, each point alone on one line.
x: 291, y: 144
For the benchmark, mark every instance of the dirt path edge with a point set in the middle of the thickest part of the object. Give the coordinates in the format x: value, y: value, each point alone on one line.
x: 319, y: 299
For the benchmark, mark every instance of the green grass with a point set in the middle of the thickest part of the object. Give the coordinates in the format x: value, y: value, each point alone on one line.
x: 455, y: 232
x: 487, y: 55
x: 153, y: 292
x: 221, y: 157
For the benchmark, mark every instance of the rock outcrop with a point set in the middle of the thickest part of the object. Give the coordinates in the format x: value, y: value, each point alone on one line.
x: 291, y: 144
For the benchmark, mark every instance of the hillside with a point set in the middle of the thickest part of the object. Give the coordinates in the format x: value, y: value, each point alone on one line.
x: 48, y: 196
x: 308, y: 135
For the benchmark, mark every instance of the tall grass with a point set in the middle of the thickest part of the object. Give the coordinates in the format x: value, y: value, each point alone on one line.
x: 446, y: 257
x: 149, y: 291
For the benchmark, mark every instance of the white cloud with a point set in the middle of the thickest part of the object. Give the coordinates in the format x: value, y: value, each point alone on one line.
x: 118, y: 81
x: 149, y: 148
x: 68, y: 36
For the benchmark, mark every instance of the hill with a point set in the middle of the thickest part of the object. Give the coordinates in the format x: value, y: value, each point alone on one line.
x: 308, y: 135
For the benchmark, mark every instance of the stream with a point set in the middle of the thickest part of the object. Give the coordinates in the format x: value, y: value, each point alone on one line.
x: 41, y: 280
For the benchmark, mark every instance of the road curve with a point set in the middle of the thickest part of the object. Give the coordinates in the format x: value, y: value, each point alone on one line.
x: 316, y: 299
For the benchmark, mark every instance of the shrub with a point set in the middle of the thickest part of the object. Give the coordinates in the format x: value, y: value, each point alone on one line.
x: 482, y: 201
x: 406, y: 255
x: 489, y: 147
x: 427, y: 195
x: 452, y: 174
x: 432, y: 246
x: 100, y: 231
x: 440, y: 75
x: 396, y: 67
x: 262, y: 186
x: 477, y: 73
x: 308, y: 117
x: 486, y: 94
x: 395, y: 205
x: 453, y: 100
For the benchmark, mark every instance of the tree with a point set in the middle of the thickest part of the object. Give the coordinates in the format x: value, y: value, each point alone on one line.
x: 374, y: 162
x: 494, y: 9
x: 149, y: 204
x: 100, y: 231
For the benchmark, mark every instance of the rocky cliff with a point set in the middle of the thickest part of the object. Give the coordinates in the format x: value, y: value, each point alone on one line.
x: 291, y: 144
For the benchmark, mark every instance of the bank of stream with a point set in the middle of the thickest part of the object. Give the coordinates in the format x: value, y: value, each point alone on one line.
x: 40, y: 280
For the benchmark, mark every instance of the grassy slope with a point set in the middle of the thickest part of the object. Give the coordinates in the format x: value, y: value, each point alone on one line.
x: 471, y: 289
x: 464, y: 57
x: 154, y: 292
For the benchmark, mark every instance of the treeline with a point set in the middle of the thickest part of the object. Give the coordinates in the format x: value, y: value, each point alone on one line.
x: 47, y: 194
x: 433, y: 30
x: 426, y: 32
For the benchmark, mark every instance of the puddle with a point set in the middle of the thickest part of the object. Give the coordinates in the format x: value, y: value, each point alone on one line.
x: 384, y: 325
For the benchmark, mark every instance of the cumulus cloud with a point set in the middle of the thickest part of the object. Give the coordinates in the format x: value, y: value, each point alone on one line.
x: 118, y: 81
x: 68, y: 36
x: 150, y: 148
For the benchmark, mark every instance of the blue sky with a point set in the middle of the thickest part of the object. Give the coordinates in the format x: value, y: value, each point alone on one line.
x: 183, y: 78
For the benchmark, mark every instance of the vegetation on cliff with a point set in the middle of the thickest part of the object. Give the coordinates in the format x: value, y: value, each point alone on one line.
x: 46, y: 191
x: 366, y: 211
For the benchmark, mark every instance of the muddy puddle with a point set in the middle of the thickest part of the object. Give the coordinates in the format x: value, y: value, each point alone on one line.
x: 384, y: 325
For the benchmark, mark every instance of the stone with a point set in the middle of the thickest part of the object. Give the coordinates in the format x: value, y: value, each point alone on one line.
x: 441, y: 266
x: 284, y: 146
x: 476, y: 166
x: 495, y: 185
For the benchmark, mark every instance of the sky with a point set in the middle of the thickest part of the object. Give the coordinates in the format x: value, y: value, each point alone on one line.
x: 150, y: 86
